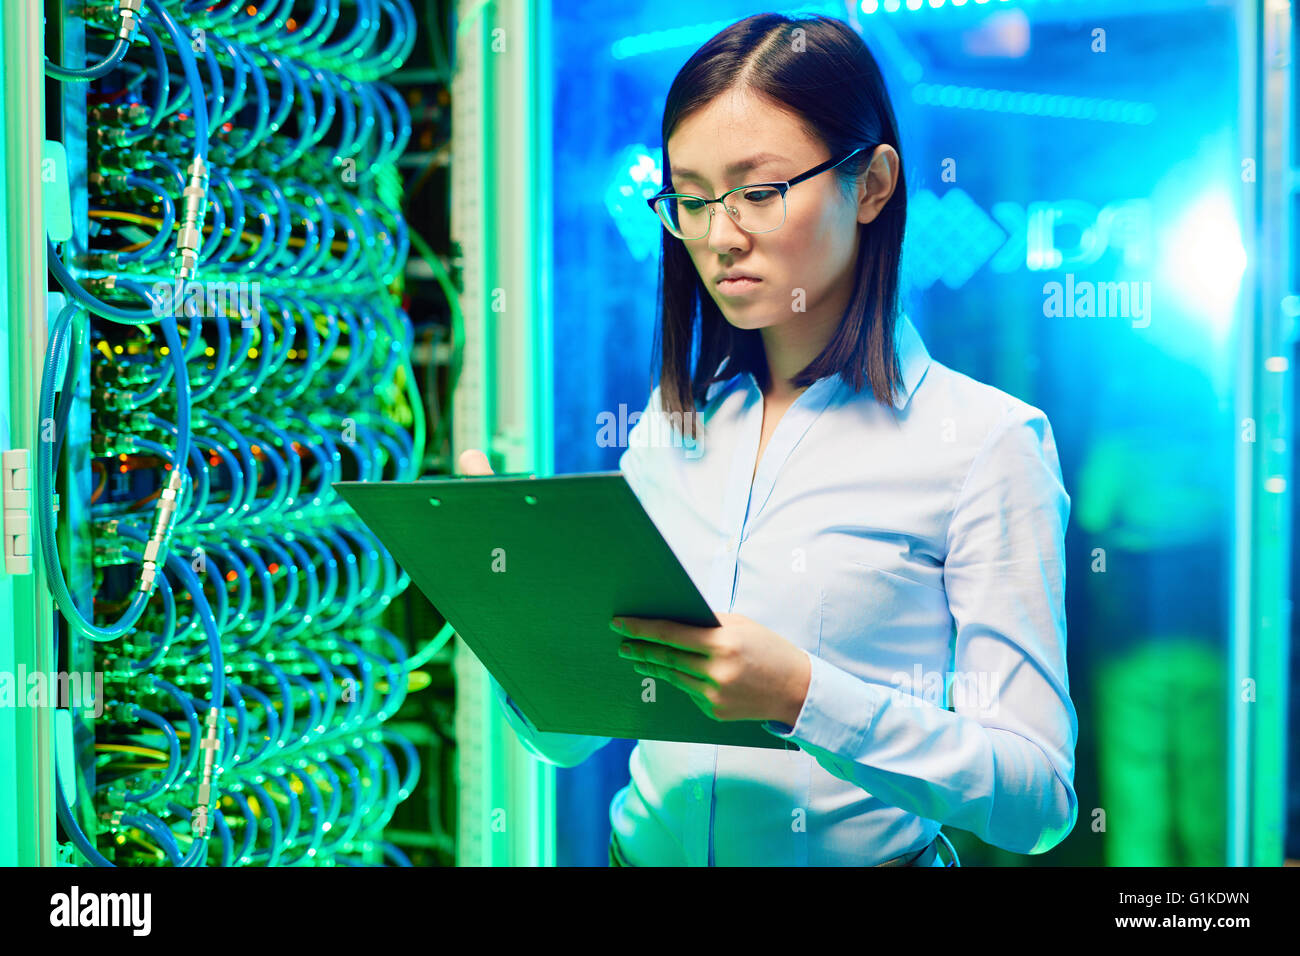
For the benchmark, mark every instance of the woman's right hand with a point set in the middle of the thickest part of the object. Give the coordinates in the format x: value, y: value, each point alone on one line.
x: 474, y: 462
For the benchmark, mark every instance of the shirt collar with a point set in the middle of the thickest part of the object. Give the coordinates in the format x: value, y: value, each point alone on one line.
x: 913, y: 360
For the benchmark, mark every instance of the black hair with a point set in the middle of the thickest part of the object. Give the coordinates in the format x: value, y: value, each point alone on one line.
x: 820, y: 70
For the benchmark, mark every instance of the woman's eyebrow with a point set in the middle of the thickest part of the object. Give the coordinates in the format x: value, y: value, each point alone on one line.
x: 741, y: 166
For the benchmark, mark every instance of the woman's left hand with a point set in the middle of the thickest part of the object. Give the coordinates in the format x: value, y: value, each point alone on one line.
x: 739, y: 671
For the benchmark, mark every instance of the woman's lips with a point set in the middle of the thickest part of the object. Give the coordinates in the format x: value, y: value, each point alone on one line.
x: 737, y: 286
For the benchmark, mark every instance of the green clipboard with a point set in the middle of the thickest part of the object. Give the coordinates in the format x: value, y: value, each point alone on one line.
x: 529, y: 572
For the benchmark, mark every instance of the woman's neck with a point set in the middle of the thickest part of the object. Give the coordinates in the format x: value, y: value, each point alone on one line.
x: 789, y: 347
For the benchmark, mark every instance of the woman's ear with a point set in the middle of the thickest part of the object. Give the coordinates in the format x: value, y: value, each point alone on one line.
x: 877, y: 183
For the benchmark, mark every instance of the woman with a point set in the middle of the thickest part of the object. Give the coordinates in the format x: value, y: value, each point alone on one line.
x: 881, y: 537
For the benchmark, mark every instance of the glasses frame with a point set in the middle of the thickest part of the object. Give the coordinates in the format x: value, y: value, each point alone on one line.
x: 782, y: 186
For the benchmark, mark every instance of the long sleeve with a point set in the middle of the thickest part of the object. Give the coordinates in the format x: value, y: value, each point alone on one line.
x: 1001, y: 769
x: 562, y: 750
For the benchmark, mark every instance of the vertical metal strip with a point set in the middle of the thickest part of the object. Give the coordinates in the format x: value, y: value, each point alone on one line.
x: 470, y: 418
x: 540, y: 348
x: 1260, y: 613
x: 1241, y: 556
x: 519, y: 189
x: 1270, y: 658
x: 503, y: 402
x: 29, y: 734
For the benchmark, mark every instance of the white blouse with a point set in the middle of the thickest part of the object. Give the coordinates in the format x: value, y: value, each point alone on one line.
x: 920, y: 564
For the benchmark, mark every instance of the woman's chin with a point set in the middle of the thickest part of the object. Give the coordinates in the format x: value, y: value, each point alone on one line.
x: 748, y: 319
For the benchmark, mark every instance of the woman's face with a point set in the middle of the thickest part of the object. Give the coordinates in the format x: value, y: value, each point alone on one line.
x: 804, y: 268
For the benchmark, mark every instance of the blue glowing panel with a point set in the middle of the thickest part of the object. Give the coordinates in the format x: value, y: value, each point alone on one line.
x: 638, y: 175
x: 951, y: 238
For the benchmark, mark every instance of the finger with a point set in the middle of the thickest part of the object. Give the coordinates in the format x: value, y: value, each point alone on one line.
x: 474, y: 462
x: 693, y: 687
x: 685, y: 637
x: 648, y: 652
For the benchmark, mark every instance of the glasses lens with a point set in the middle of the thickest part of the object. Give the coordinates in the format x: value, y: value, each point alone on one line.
x: 685, y: 217
x: 753, y: 208
x: 757, y: 208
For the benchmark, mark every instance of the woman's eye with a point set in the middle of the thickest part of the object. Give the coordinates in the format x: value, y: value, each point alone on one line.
x: 759, y: 195
x: 692, y: 205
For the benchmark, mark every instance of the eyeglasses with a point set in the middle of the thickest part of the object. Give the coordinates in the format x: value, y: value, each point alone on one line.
x: 759, y: 208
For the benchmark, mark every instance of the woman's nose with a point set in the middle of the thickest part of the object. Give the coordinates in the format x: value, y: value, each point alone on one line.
x: 723, y: 231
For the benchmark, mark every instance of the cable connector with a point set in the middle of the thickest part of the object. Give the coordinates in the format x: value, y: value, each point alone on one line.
x: 102, y: 283
x: 108, y: 182
x: 210, y: 745
x: 115, y: 400
x: 111, y: 136
x: 100, y: 261
x: 112, y: 819
x: 133, y: 114
x: 190, y: 236
x: 155, y: 550
x: 130, y: 13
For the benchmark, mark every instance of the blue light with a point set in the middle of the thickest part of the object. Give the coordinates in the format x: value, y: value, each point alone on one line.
x: 639, y: 176
x: 697, y: 33
x: 1030, y: 103
x: 693, y: 35
x: 893, y: 6
x: 1203, y: 259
